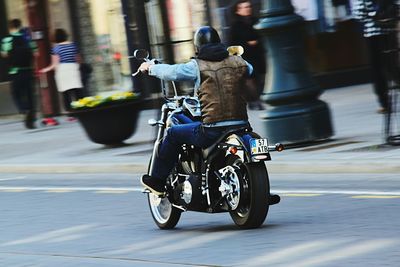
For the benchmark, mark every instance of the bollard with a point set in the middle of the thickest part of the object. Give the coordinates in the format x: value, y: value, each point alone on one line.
x: 295, y: 114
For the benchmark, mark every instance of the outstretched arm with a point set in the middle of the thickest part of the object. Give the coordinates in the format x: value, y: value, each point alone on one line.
x: 177, y: 72
x: 55, y: 60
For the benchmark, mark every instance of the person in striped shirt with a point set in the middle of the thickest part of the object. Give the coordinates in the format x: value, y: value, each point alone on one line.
x: 65, y: 60
x: 365, y: 12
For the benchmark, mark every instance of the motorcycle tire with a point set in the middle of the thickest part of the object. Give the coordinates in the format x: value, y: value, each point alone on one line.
x: 164, y: 214
x: 253, y: 204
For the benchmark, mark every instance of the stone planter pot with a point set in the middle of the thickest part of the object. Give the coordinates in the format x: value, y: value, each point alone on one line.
x: 112, y: 123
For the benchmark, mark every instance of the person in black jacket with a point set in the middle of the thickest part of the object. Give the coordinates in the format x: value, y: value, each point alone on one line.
x: 21, y: 52
x: 243, y: 33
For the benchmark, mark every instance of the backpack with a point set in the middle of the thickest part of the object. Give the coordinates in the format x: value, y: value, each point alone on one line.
x: 21, y: 54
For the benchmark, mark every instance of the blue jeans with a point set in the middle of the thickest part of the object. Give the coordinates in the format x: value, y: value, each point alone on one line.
x: 192, y: 133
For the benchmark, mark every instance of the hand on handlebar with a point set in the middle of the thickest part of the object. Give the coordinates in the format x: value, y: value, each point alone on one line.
x: 145, y: 66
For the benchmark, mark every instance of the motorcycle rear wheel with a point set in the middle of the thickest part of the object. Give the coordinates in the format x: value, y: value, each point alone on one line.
x: 253, y: 204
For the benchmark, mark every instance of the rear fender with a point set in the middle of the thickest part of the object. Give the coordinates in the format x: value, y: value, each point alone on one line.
x: 239, y: 144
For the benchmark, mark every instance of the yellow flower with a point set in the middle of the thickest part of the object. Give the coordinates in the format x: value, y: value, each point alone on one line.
x: 94, y: 101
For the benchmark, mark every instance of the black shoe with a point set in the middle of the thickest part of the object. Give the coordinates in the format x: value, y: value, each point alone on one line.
x: 382, y: 111
x: 30, y: 120
x: 274, y: 199
x: 156, y: 186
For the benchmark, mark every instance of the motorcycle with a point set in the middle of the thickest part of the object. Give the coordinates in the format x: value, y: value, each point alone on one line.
x: 228, y: 176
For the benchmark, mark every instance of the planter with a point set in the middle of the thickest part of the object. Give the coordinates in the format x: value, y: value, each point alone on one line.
x: 111, y: 123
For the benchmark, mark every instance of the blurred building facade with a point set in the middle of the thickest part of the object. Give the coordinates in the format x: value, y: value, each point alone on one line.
x: 108, y: 31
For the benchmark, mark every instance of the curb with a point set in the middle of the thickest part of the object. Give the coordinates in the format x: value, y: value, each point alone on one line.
x: 286, y: 167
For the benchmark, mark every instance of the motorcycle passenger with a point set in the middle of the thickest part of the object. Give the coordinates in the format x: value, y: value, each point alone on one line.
x: 218, y: 79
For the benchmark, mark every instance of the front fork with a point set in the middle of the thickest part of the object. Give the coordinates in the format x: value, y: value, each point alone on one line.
x: 160, y: 134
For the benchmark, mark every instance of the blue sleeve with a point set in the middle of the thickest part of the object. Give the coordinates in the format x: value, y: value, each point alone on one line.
x: 249, y: 68
x: 177, y: 72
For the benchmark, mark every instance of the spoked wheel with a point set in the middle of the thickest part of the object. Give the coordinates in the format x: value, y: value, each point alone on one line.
x: 252, y: 207
x: 164, y: 214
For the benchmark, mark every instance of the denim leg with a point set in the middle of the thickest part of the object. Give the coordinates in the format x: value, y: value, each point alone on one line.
x: 169, y: 148
x: 191, y: 133
x: 182, y: 118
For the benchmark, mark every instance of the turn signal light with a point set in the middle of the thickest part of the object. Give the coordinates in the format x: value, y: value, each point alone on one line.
x: 233, y: 150
x: 279, y: 147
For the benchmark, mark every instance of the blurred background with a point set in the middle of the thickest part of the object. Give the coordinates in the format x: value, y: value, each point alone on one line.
x: 108, y: 31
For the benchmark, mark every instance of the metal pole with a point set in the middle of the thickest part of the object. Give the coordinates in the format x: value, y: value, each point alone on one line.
x: 295, y: 114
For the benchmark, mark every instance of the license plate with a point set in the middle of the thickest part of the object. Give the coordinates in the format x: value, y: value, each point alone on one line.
x: 258, y: 146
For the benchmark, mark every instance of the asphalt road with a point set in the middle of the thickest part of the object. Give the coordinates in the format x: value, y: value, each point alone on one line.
x: 103, y: 220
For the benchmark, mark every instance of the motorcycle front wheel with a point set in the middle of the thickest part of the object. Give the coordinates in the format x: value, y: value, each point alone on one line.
x: 164, y: 214
x: 254, y: 193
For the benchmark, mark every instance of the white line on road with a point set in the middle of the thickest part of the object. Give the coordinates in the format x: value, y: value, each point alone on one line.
x: 140, y: 189
x: 288, y: 253
x: 68, y: 188
x: 317, y: 253
x: 12, y: 178
x: 346, y: 252
x: 69, y: 233
x: 340, y: 192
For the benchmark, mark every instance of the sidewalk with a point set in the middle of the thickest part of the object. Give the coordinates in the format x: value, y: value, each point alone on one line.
x: 355, y: 147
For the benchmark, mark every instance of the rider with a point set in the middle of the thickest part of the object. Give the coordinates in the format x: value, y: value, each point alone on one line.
x: 218, y: 79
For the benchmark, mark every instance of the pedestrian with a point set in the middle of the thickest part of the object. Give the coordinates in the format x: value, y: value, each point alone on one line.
x: 376, y: 37
x: 222, y: 103
x: 65, y: 59
x: 20, y: 53
x: 242, y: 33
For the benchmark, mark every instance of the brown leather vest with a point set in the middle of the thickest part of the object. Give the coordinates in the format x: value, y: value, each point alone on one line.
x: 221, y: 90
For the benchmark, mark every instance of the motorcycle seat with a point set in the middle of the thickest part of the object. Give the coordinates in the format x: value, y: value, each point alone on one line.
x: 230, y: 130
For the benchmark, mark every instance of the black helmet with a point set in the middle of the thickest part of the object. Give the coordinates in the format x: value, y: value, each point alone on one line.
x: 205, y: 35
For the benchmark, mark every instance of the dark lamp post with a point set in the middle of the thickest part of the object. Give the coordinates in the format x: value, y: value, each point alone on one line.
x: 295, y: 114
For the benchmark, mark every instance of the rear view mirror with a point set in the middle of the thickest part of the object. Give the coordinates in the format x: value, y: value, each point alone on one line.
x: 141, y: 54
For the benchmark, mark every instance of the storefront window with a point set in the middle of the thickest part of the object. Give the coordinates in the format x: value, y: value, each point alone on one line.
x: 109, y: 28
x: 16, y: 9
x: 184, y: 17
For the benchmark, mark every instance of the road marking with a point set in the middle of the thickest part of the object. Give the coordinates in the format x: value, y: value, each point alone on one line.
x: 301, y: 195
x: 16, y: 190
x: 328, y: 251
x: 70, y: 188
x: 151, y: 243
x: 13, y: 178
x: 283, y: 192
x: 191, y: 242
x: 338, y: 192
x: 374, y: 196
x: 289, y: 253
x: 59, y: 191
x: 60, y: 235
x: 111, y: 191
x: 346, y: 252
